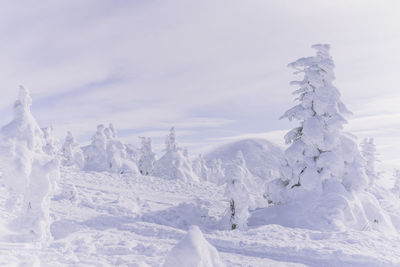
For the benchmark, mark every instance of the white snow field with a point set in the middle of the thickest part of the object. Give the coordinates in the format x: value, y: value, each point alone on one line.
x: 132, y: 220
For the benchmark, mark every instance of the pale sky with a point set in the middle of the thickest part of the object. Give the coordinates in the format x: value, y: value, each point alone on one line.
x: 216, y: 70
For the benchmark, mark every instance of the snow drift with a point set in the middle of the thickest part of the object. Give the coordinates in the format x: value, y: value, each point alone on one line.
x: 193, y: 251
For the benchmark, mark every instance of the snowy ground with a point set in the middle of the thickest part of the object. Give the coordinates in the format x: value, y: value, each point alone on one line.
x: 121, y: 220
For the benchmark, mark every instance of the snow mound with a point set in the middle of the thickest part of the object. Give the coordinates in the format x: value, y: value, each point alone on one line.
x: 193, y: 251
x: 262, y: 157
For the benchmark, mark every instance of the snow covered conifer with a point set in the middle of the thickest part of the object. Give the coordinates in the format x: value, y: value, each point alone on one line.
x: 318, y: 149
x: 170, y: 141
x: 50, y: 146
x: 147, y: 157
x: 216, y: 172
x: 396, y: 187
x: 175, y: 163
x: 369, y: 153
x: 71, y: 152
x: 200, y: 168
x: 237, y: 193
x: 106, y: 153
x: 27, y: 172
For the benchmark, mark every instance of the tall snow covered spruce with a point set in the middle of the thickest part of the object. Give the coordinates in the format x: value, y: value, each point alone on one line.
x: 319, y: 150
x: 28, y: 171
x: 368, y: 150
x: 323, y: 183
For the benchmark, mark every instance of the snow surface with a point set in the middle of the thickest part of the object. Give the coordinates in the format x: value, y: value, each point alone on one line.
x: 134, y: 220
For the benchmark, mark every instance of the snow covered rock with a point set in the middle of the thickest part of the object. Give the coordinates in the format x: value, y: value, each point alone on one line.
x: 28, y: 173
x: 175, y: 163
x: 262, y: 158
x: 193, y: 251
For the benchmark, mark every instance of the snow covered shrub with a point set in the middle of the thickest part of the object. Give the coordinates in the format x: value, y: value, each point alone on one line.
x: 175, y: 163
x: 237, y: 193
x: 71, y: 152
x: 369, y: 153
x: 324, y: 170
x: 106, y: 153
x: 147, y: 157
x: 199, y: 167
x: 193, y: 250
x: 28, y: 172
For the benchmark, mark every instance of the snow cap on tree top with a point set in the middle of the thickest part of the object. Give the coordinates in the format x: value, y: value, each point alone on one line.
x: 23, y: 103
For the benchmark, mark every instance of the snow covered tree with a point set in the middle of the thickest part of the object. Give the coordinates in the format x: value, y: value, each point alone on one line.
x: 147, y: 157
x: 51, y: 146
x: 237, y: 193
x: 106, y: 153
x: 175, y: 163
x: 369, y: 153
x: 28, y: 172
x: 71, y: 152
x: 199, y: 167
x: 216, y: 172
x: 396, y: 187
x: 170, y: 141
x: 318, y: 149
x: 95, y: 154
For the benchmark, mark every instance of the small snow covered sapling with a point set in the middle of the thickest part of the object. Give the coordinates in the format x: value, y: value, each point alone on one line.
x: 147, y: 157
x: 237, y: 193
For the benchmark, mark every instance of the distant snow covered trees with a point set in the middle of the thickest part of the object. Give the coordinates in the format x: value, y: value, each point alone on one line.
x: 106, y: 153
x: 28, y: 171
x: 71, y: 152
x: 147, y: 157
x: 200, y: 168
x: 175, y: 163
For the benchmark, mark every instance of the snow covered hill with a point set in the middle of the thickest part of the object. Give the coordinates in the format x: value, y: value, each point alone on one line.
x: 262, y: 157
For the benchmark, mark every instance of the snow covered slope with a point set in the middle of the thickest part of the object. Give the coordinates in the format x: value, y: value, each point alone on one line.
x: 103, y: 219
x: 262, y: 157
